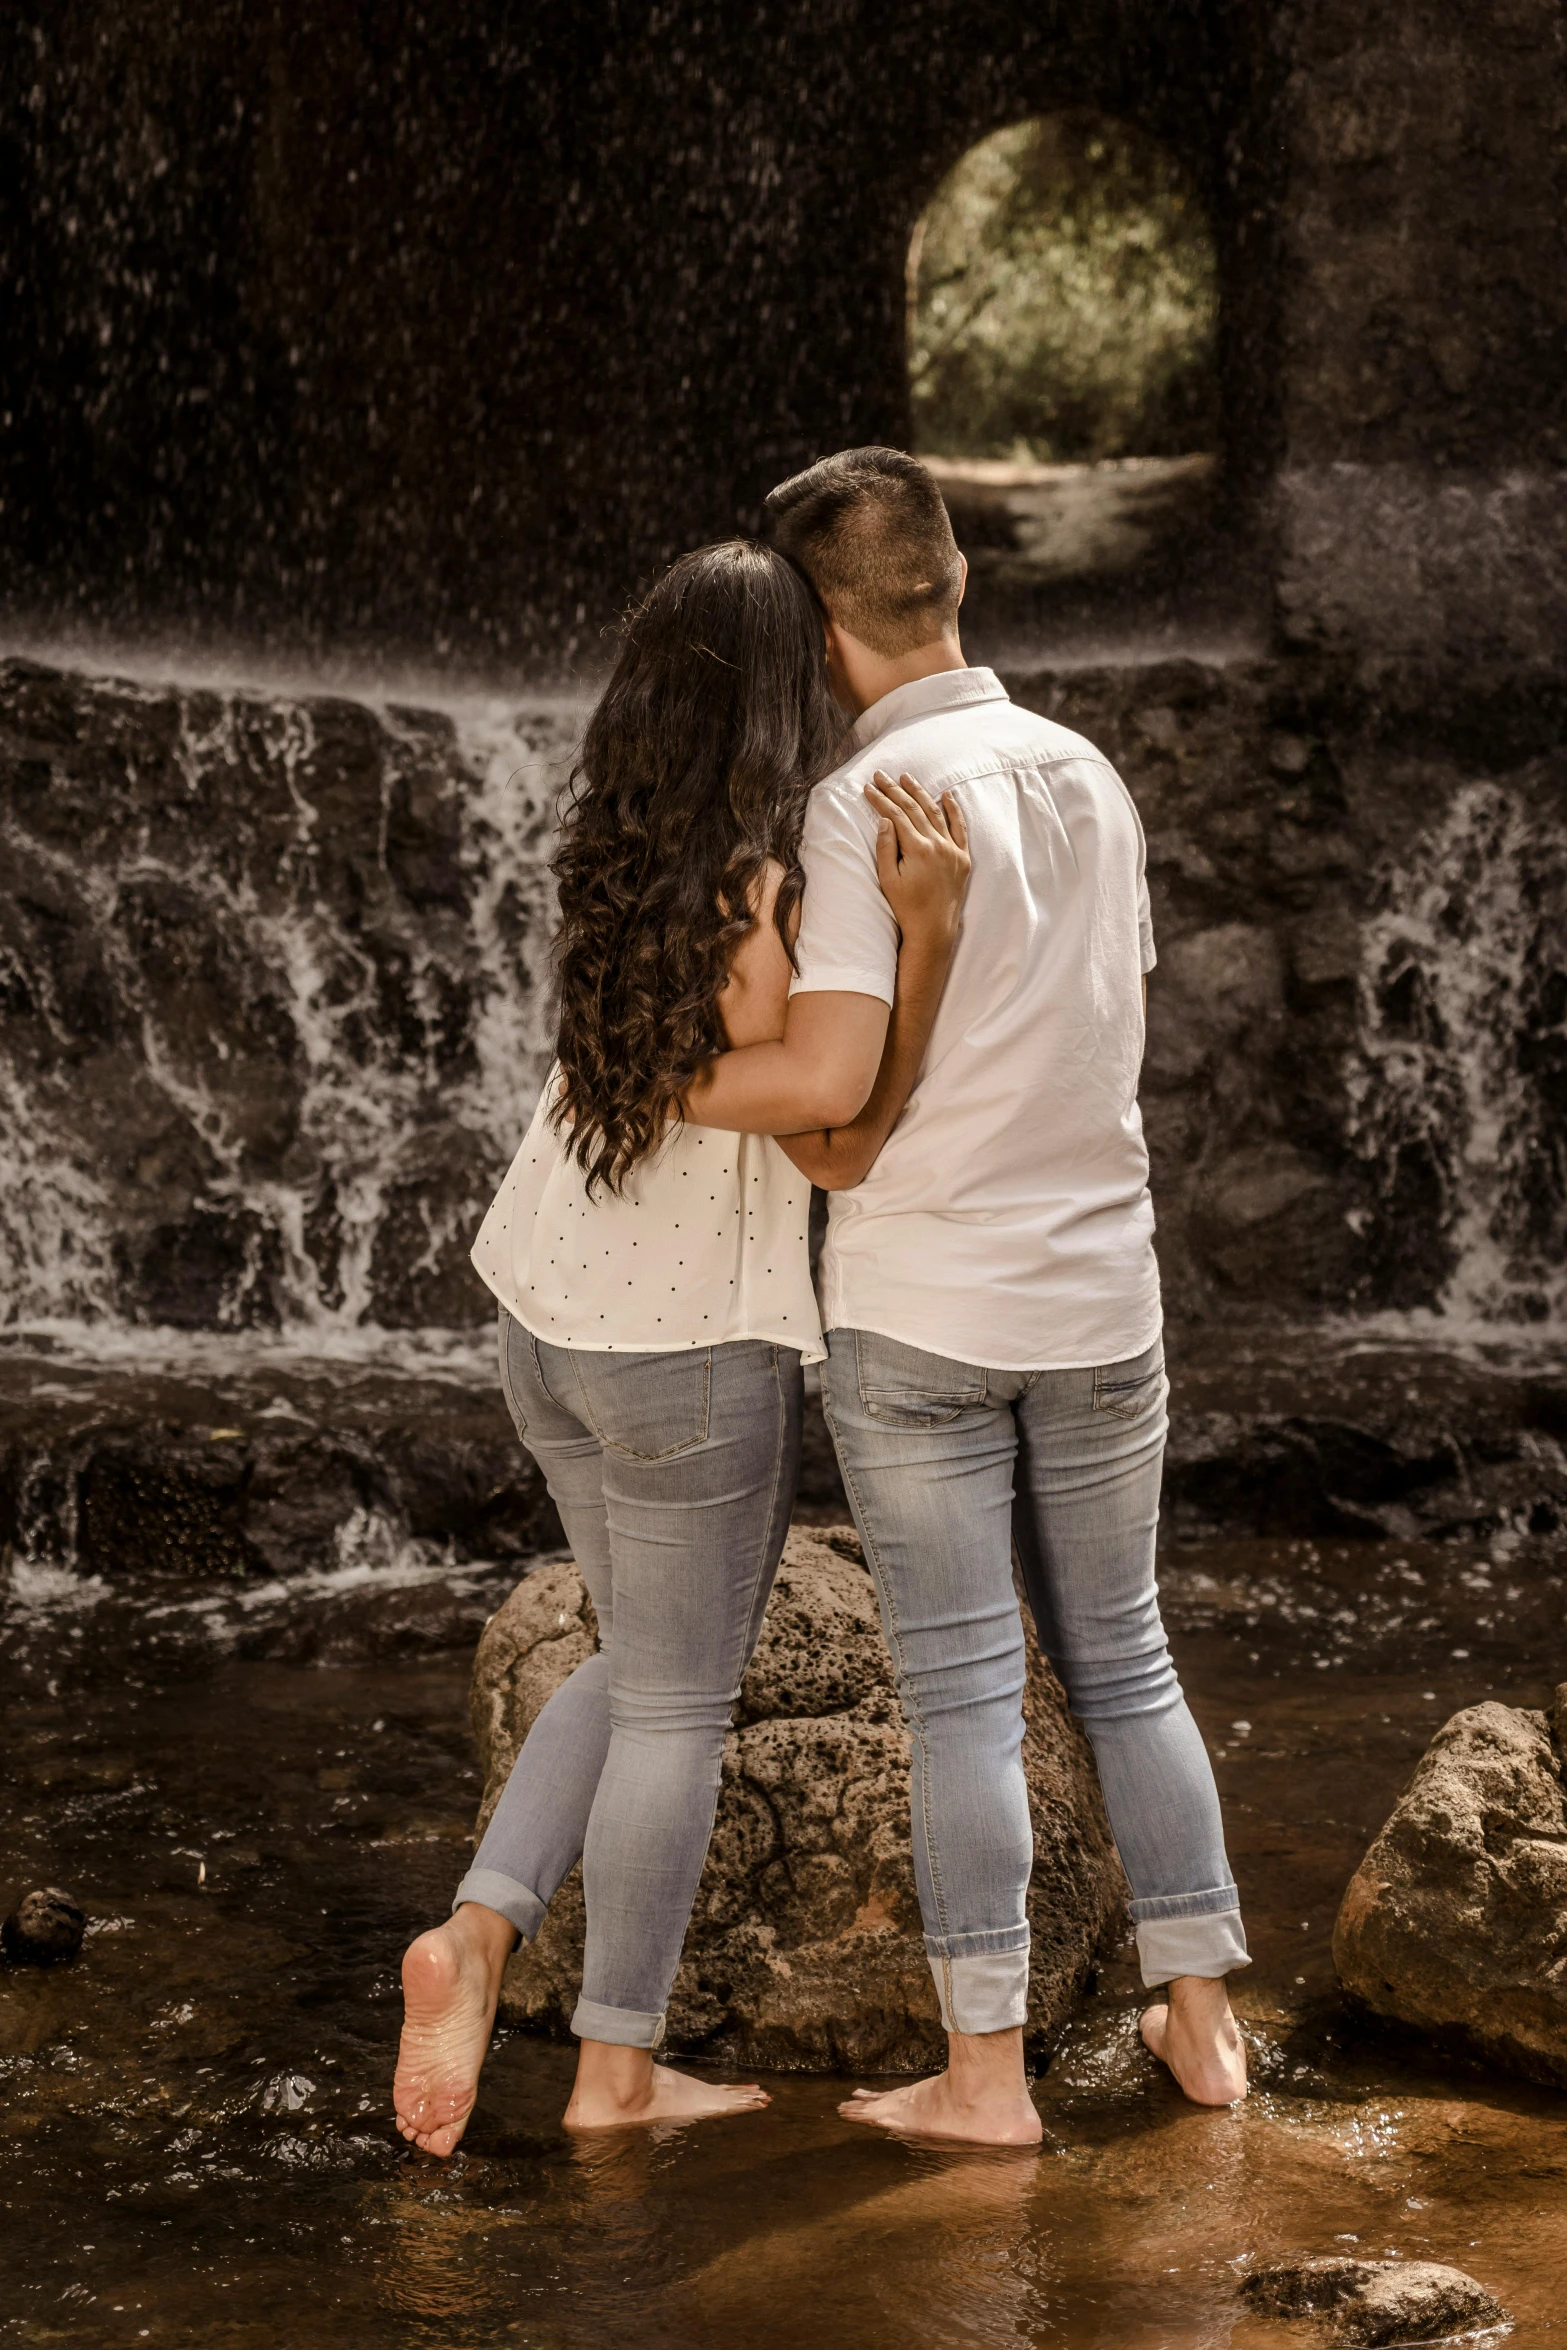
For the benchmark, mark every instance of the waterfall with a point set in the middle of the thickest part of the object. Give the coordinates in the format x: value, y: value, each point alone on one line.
x: 275, y: 976
x: 274, y: 971
x: 1458, y: 1085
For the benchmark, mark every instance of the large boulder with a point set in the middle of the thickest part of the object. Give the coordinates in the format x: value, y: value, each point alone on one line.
x: 804, y: 1949
x: 1456, y: 1921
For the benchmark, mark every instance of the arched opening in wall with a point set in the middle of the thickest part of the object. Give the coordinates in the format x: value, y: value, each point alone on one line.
x: 1063, y: 316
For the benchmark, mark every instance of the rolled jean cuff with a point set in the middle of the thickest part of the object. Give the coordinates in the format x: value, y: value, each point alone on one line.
x: 517, y: 1902
x: 622, y: 2027
x: 1206, y: 1942
x: 984, y: 1990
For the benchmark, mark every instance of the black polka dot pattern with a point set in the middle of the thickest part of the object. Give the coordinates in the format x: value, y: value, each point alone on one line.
x: 570, y: 1268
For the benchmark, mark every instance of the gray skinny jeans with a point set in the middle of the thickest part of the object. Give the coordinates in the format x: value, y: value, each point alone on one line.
x: 946, y: 1465
x: 674, y: 1476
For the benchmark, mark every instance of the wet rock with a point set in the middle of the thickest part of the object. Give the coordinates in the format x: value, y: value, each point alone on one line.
x: 262, y: 1469
x: 1279, y: 1433
x: 371, y: 1626
x: 805, y: 1948
x: 1455, y: 1923
x: 1370, y: 2302
x: 237, y: 1464
x: 44, y: 1929
x: 1311, y: 855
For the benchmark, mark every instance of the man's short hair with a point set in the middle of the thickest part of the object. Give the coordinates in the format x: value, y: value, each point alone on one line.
x: 869, y: 529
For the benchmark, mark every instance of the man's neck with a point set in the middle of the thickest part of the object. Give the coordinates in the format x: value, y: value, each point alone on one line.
x: 866, y: 677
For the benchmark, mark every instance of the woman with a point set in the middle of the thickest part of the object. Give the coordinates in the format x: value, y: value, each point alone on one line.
x: 656, y: 1302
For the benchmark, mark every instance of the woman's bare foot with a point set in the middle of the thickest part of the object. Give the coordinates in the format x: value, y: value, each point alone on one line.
x: 1198, y: 2038
x: 935, y: 2108
x: 617, y: 2087
x: 451, y: 1980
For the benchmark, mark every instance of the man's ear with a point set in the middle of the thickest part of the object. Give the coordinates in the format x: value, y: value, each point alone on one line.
x: 962, y: 575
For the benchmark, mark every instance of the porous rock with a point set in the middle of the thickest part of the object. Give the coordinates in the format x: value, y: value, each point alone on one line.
x: 44, y: 1929
x: 805, y: 1947
x: 1455, y: 1923
x: 1370, y: 2302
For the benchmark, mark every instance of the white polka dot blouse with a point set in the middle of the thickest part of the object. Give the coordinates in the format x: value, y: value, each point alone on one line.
x: 707, y: 1243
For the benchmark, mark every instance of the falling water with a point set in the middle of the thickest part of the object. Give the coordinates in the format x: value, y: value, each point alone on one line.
x: 276, y: 977
x: 274, y: 970
x: 1459, y: 1084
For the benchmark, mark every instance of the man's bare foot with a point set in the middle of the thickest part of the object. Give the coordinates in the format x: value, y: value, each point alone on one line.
x: 982, y: 2098
x: 618, y: 2087
x: 1195, y: 2034
x: 938, y: 2108
x: 451, y: 1980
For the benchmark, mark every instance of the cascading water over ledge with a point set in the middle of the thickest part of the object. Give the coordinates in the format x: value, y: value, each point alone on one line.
x: 273, y: 972
x: 1458, y: 1088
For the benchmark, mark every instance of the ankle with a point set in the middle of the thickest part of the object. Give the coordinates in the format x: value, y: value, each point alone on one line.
x: 985, y: 2066
x: 484, y: 1934
x: 614, y: 2077
x: 1199, y: 1998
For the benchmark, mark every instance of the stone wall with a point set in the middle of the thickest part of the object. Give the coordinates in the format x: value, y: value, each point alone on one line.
x: 1421, y: 502
x: 434, y: 331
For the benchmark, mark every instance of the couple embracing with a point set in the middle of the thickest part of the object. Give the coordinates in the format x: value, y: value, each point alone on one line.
x: 835, y: 911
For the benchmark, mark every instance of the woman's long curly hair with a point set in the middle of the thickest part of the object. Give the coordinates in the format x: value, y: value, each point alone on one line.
x: 694, y: 771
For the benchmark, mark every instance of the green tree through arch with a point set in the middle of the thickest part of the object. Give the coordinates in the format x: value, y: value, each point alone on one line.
x: 1063, y: 300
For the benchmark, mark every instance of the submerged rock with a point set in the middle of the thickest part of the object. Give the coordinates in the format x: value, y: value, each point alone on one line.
x: 44, y: 1929
x: 1375, y: 2301
x: 1456, y: 1921
x: 805, y: 1948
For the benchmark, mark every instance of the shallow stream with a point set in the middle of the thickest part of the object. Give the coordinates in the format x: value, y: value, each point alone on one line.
x: 195, y: 2142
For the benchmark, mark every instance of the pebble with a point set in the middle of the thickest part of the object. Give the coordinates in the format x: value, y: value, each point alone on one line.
x: 44, y: 1929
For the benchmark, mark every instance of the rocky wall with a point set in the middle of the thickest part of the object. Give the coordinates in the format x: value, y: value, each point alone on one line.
x: 1421, y: 499
x: 276, y: 980
x: 242, y: 1464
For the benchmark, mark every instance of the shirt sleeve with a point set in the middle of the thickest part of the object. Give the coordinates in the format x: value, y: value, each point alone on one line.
x: 848, y: 938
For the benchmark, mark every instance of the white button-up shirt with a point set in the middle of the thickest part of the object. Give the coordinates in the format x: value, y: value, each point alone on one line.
x: 1007, y: 1222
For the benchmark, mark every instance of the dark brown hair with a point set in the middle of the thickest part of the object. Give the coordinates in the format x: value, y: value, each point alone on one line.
x: 694, y: 771
x: 869, y: 528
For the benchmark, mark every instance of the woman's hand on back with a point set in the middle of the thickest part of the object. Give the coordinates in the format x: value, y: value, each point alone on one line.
x: 922, y: 862
x: 922, y: 859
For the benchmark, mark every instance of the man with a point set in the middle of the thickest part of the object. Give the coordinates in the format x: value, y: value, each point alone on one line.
x: 991, y: 1300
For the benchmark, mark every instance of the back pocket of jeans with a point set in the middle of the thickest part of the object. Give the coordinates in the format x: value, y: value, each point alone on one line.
x: 1127, y: 1390
x: 648, y: 1407
x: 905, y: 1387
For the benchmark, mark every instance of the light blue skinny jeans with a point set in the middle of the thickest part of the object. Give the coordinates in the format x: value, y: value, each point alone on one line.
x: 947, y: 1464
x: 674, y: 1476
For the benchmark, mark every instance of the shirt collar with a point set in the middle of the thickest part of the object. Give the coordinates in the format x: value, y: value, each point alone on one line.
x: 947, y: 689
